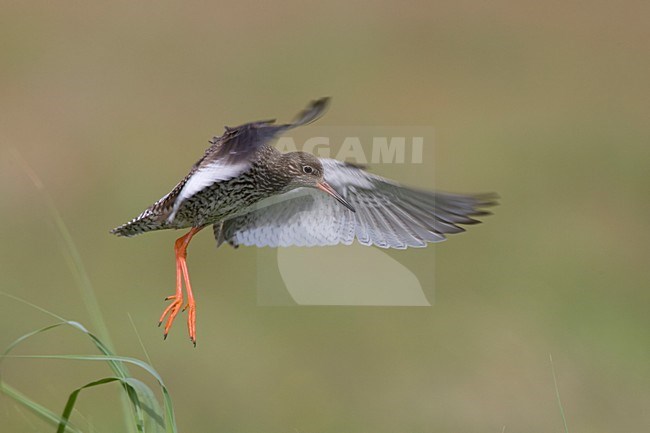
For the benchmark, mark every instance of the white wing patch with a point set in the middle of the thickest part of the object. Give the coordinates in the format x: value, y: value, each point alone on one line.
x: 204, y: 177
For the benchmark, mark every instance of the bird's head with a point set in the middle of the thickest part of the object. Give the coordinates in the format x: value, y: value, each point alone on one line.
x: 306, y: 170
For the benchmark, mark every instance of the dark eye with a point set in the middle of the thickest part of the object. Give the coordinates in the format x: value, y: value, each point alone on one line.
x: 307, y: 169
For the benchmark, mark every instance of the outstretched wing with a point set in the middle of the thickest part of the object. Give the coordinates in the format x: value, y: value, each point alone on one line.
x: 387, y: 215
x: 231, y: 154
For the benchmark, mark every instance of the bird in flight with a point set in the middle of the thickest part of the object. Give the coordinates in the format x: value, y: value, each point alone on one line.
x: 254, y: 195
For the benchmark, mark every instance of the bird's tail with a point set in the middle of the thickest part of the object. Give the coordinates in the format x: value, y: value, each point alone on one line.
x: 145, y: 222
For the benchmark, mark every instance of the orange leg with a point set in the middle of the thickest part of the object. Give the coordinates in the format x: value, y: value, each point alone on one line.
x: 182, y: 275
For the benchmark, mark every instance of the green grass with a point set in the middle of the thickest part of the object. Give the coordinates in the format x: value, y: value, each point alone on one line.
x: 142, y: 411
x: 145, y: 412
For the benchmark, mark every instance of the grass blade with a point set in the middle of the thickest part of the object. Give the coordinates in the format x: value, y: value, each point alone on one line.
x: 41, y: 411
x: 72, y: 399
x: 557, y: 395
x: 142, y: 400
x: 70, y: 252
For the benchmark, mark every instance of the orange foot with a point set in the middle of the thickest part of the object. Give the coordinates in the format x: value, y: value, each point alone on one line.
x: 182, y: 275
x: 191, y: 321
x: 172, y: 309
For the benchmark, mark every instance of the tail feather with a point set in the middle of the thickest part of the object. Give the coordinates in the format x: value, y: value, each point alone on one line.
x: 145, y: 222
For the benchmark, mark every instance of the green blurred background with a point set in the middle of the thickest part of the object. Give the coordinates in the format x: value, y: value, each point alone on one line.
x: 547, y: 104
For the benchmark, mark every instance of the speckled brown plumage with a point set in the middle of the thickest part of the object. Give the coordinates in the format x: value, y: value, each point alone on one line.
x: 261, y: 171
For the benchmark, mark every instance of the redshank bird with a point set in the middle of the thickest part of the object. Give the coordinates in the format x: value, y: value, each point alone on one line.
x: 254, y: 195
